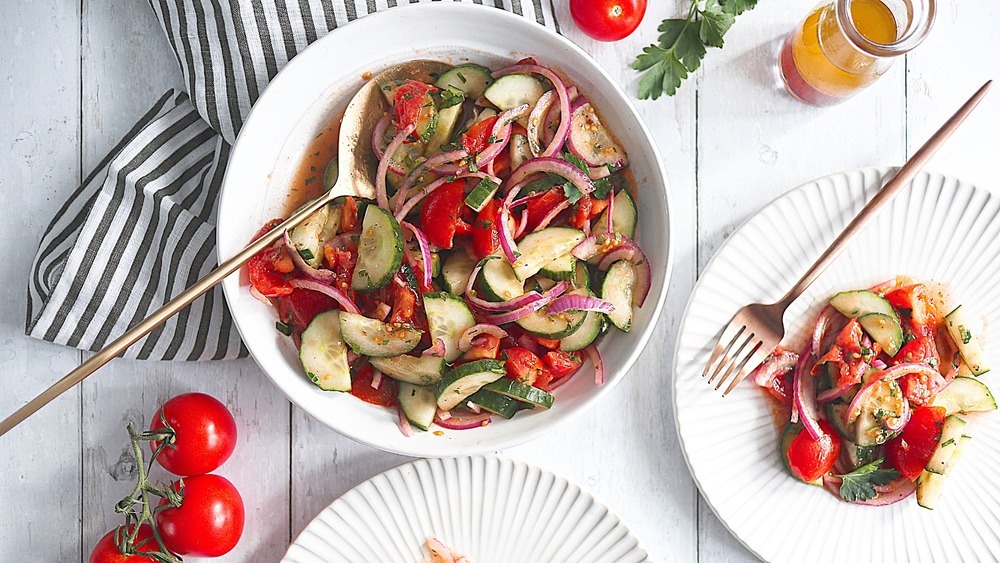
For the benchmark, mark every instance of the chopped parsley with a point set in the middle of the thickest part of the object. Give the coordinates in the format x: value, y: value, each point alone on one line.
x: 283, y: 328
x: 451, y: 96
x: 306, y: 254
x: 965, y: 334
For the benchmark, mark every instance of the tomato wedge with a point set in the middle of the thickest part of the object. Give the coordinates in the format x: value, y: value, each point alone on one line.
x: 361, y: 387
x: 561, y: 364
x: 439, y: 215
x: 811, y: 459
x: 477, y: 137
x: 264, y: 275
x: 912, y: 449
x: 409, y: 102
x: 523, y: 366
x: 540, y: 206
x: 485, y: 230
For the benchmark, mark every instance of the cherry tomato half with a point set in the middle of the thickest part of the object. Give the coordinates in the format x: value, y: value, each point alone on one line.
x: 912, y: 449
x: 811, y: 459
x: 107, y: 552
x: 208, y: 523
x: 607, y: 20
x: 205, y: 434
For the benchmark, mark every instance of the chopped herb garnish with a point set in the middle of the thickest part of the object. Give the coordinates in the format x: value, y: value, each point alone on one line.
x: 859, y: 485
x: 461, y: 77
x: 602, y: 188
x: 310, y: 180
x: 306, y: 254
x: 947, y: 442
x: 965, y: 334
x: 451, y: 97
x: 283, y: 328
x: 933, y: 362
x: 312, y: 168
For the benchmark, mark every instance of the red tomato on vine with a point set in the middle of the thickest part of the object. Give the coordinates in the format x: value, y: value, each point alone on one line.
x: 205, y: 434
x: 607, y: 20
x: 209, y: 521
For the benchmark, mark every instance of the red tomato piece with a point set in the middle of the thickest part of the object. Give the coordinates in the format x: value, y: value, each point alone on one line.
x: 922, y: 350
x: 361, y: 387
x: 549, y: 343
x: 581, y: 212
x: 204, y: 434
x: 106, y: 551
x: 478, y: 136
x: 261, y: 269
x: 561, y: 364
x: 607, y: 20
x: 409, y: 102
x: 781, y: 387
x: 912, y: 449
x: 208, y: 523
x: 485, y: 230
x: 914, y: 302
x: 811, y: 459
x: 540, y: 206
x: 349, y: 215
x: 523, y: 366
x: 439, y: 214
x: 299, y: 308
x: 919, y: 388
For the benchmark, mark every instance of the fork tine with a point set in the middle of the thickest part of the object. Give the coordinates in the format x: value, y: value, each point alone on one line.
x: 731, y: 355
x: 725, y: 343
x: 755, y: 359
x: 751, y: 345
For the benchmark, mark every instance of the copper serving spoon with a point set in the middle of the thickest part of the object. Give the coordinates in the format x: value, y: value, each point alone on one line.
x: 357, y: 165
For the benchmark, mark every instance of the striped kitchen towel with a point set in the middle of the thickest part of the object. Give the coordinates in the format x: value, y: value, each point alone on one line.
x: 141, y: 228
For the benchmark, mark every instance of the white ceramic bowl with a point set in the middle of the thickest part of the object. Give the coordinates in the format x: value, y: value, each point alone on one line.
x: 317, y: 85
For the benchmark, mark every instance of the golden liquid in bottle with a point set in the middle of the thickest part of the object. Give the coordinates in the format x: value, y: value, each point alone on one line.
x: 820, y: 65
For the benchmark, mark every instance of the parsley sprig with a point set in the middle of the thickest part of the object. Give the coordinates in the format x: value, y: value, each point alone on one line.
x: 860, y: 484
x: 682, y: 44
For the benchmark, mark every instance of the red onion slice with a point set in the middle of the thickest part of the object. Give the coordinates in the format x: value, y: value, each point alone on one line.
x: 376, y: 379
x: 506, y: 237
x: 522, y: 225
x: 804, y: 391
x: 835, y: 392
x: 626, y: 251
x: 465, y: 341
x: 819, y: 329
x: 562, y: 132
x: 500, y: 135
x: 437, y: 160
x: 598, y: 245
x: 521, y: 312
x: 895, y: 372
x: 776, y: 366
x: 438, y: 349
x: 594, y: 356
x: 383, y: 165
x: 378, y: 135
x: 553, y: 165
x: 404, y: 423
x: 325, y: 276
x: 259, y: 296
x: 425, y: 252
x: 562, y: 206
x: 464, y: 422
x: 580, y: 303
x: 313, y: 285
x: 536, y: 118
x: 530, y: 345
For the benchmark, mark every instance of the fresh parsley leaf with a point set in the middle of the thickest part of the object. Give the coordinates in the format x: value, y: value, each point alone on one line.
x: 451, y: 96
x: 602, y: 188
x: 860, y: 484
x: 410, y: 277
x: 576, y: 161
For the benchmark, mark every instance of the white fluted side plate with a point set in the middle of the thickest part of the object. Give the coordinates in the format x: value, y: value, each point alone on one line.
x: 940, y: 229
x: 487, y: 508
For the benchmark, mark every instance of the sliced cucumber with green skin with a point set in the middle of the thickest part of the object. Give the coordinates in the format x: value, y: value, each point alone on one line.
x: 310, y: 236
x: 617, y: 290
x: 416, y: 370
x: 323, y: 353
x: 967, y: 341
x: 837, y: 415
x: 554, y: 326
x: 380, y: 250
x: 447, y: 318
x: 456, y: 271
x: 591, y: 327
x: 481, y: 194
x: 542, y: 247
x: 965, y: 394
x: 375, y: 339
x: 930, y: 485
x: 581, y: 278
x: 952, y: 429
x: 497, y: 280
x: 331, y: 173
x: 520, y: 152
x: 560, y: 269
x: 885, y: 404
x: 625, y: 219
x: 389, y: 88
x: 883, y: 329
x: 470, y: 79
x: 496, y: 403
x: 418, y: 404
x: 522, y: 392
x: 458, y: 384
x: 854, y: 304
x: 859, y: 455
x: 447, y: 119
x: 513, y: 90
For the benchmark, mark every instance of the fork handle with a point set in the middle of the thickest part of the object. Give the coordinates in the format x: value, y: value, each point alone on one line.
x: 902, y: 178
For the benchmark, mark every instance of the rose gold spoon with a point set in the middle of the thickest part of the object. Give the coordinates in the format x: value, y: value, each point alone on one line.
x: 357, y: 165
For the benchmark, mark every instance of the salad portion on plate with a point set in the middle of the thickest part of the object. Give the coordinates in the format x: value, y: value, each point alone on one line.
x: 879, y: 396
x: 498, y: 250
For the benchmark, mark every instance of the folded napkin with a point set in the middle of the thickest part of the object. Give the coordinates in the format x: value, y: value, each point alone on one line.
x: 141, y: 228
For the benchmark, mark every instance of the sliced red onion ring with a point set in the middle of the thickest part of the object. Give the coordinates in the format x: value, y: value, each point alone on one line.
x: 376, y: 379
x: 500, y: 135
x: 563, y: 205
x: 562, y: 132
x: 592, y: 354
x: 580, y: 303
x: 521, y: 312
x: 522, y: 225
x: 437, y: 349
x: 382, y: 311
x: 325, y: 276
x: 900, y: 421
x: 835, y: 392
x: 383, y: 165
x: 259, y: 296
x: 530, y: 345
x: 521, y: 201
x: 898, y: 490
x: 442, y: 415
x: 626, y: 251
x: 535, y: 120
x: 895, y: 372
x: 473, y: 407
x: 404, y: 423
x: 804, y: 391
x: 377, y: 136
x: 777, y: 365
x: 425, y: 253
x: 506, y: 237
x: 598, y: 172
x: 465, y: 341
x: 437, y: 160
x: 339, y: 296
x: 465, y: 422
x: 553, y: 165
x: 819, y: 329
x: 496, y: 306
x: 879, y: 364
x: 598, y: 244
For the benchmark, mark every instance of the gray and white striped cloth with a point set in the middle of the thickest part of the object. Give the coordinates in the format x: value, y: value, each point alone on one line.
x: 141, y: 228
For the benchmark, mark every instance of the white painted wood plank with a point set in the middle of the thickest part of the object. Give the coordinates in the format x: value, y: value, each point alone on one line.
x: 755, y: 142
x: 39, y: 166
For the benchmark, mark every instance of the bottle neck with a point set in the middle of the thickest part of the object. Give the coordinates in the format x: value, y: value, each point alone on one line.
x: 913, y: 18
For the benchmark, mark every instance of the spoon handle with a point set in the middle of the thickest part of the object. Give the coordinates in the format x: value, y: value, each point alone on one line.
x: 161, y: 315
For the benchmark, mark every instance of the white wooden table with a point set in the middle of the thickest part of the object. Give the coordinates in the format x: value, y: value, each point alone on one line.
x: 76, y: 75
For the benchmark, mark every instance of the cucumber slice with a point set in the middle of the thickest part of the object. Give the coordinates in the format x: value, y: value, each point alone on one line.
x: 617, y: 290
x: 951, y: 431
x: 323, y: 353
x: 882, y: 409
x: 562, y: 268
x: 861, y: 302
x: 520, y: 152
x: 415, y: 370
x: 470, y: 79
x: 883, y: 329
x: 375, y: 339
x: 465, y: 380
x: 591, y: 141
x: 389, y: 90
x: 553, y: 326
x: 413, y: 247
x: 380, y: 250
x: 446, y: 121
x: 481, y: 194
x: 331, y: 173
x: 447, y: 318
x: 859, y: 455
x: 310, y: 236
x: 542, y: 247
x: 496, y: 403
x: 592, y: 326
x: 456, y: 272
x: 418, y: 404
x: 582, y: 277
x: 625, y: 219
x: 513, y: 90
x: 837, y: 414
x: 967, y: 341
x: 965, y: 394
x: 524, y: 393
x: 497, y: 280
x: 930, y: 485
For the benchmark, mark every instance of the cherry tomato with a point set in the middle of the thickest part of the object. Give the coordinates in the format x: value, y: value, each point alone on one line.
x: 484, y: 347
x: 540, y: 206
x: 523, y: 366
x: 208, y: 523
x: 106, y: 551
x: 912, y: 449
x: 439, y: 214
x: 561, y: 364
x: 811, y: 459
x: 478, y: 136
x: 205, y: 434
x: 607, y: 20
x: 361, y: 387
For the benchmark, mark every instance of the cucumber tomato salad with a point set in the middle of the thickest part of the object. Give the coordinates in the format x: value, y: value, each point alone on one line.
x: 499, y: 248
x: 881, y: 395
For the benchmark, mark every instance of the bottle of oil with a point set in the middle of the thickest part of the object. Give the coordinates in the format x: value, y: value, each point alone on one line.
x: 843, y: 46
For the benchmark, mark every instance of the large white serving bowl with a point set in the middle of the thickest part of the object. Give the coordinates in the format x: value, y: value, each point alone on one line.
x: 317, y: 85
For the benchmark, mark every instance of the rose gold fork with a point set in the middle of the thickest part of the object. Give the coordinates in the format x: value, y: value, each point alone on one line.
x: 757, y: 329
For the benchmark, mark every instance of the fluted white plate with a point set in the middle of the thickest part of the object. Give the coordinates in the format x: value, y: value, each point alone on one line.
x: 486, y: 508
x: 940, y: 229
